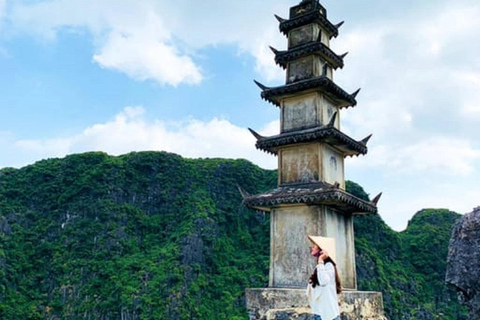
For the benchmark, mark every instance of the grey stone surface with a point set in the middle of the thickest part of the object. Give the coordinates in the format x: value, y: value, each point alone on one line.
x: 303, y: 35
x: 290, y: 261
x: 301, y: 69
x: 307, y: 111
x: 283, y: 304
x: 300, y: 112
x: 463, y: 264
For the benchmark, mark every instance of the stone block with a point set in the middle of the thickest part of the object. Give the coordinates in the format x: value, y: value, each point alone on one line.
x: 307, y: 110
x: 311, y: 163
x: 303, y: 35
x: 284, y: 304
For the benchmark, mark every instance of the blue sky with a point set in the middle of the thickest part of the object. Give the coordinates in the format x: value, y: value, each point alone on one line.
x: 128, y: 75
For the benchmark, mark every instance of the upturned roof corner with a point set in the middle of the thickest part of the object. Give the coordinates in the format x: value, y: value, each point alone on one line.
x: 366, y: 139
x: 376, y: 199
x: 280, y: 19
x: 255, y: 134
x: 261, y: 86
x: 331, y: 123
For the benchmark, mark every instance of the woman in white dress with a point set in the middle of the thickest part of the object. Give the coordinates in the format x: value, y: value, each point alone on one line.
x: 324, y: 284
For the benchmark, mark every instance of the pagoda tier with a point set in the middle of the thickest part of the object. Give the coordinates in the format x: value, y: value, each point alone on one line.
x: 305, y: 13
x: 282, y: 58
x: 319, y: 84
x: 327, y: 134
x: 311, y: 194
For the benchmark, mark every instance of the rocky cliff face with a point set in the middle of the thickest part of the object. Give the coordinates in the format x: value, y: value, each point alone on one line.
x: 463, y: 265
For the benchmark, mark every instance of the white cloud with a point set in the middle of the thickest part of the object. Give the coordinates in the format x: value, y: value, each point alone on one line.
x: 442, y: 156
x: 129, y: 35
x: 3, y: 4
x: 431, y: 173
x: 155, y: 60
x: 470, y: 106
x: 397, y: 207
x: 453, y: 22
x: 152, y: 40
x: 420, y: 89
x: 265, y: 58
x: 419, y: 98
x: 131, y: 131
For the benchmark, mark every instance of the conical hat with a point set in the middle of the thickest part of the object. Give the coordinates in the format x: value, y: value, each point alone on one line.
x: 327, y: 244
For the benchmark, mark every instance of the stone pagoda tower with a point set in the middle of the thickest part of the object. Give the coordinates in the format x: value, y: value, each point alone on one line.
x: 310, y: 198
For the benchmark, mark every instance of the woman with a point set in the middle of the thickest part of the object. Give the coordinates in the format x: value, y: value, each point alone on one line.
x: 324, y: 284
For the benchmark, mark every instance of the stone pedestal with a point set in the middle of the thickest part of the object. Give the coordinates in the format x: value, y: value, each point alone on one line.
x: 284, y: 304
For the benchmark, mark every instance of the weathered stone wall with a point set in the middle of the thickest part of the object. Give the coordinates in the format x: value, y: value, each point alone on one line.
x: 340, y: 227
x: 290, y: 261
x: 333, y: 164
x: 310, y: 163
x: 300, y: 164
x: 303, y: 35
x: 307, y: 111
x: 300, y: 112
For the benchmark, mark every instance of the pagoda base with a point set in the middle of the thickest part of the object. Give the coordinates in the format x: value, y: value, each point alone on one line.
x: 284, y: 304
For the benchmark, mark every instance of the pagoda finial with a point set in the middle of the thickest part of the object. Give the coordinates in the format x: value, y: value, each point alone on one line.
x: 275, y: 51
x: 261, y: 86
x: 338, y: 25
x: 344, y: 55
x: 331, y: 123
x: 377, y: 198
x: 255, y: 134
x: 365, y: 140
x: 354, y: 95
x: 280, y: 19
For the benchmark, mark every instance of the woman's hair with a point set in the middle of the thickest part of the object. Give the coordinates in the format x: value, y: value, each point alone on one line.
x: 314, y: 277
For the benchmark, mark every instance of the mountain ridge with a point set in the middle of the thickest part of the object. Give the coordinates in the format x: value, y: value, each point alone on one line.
x: 151, y: 235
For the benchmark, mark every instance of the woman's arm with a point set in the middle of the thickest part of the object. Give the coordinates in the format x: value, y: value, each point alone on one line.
x: 325, y: 273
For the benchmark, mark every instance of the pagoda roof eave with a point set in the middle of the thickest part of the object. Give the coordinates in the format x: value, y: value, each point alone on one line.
x: 317, y: 47
x: 313, y: 16
x: 310, y: 194
x: 329, y: 134
x: 323, y: 83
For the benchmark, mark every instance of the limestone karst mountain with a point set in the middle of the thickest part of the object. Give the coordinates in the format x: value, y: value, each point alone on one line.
x: 152, y: 235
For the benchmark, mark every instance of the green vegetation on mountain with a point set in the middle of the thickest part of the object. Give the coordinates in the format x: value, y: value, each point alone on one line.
x: 152, y: 235
x: 408, y: 267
